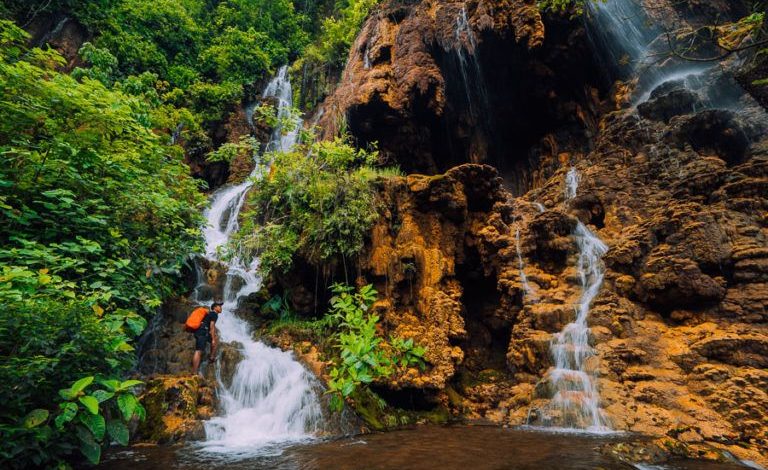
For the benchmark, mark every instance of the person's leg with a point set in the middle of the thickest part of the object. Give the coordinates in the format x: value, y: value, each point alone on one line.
x: 212, y: 356
x: 196, y: 361
x: 200, y: 341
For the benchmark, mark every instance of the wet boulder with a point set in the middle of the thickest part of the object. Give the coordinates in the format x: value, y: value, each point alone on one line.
x: 666, y: 103
x: 714, y: 132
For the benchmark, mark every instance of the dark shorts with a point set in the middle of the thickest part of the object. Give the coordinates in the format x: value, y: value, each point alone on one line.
x: 201, y: 337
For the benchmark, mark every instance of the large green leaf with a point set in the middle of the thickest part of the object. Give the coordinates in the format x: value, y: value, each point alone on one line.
x: 127, y: 404
x: 35, y: 418
x: 102, y: 395
x: 128, y: 384
x: 80, y: 385
x: 135, y: 324
x: 68, y: 412
x: 90, y: 403
x: 95, y: 424
x: 88, y: 446
x: 118, y: 431
x: 67, y: 394
x: 111, y: 384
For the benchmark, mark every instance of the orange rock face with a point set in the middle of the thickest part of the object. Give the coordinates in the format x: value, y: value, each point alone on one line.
x: 680, y: 322
x: 418, y: 250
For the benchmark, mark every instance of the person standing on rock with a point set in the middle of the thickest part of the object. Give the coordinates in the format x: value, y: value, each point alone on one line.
x: 202, y: 323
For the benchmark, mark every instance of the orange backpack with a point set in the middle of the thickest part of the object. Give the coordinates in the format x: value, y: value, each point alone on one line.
x: 195, y: 319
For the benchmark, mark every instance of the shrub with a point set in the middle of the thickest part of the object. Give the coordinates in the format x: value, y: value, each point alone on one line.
x: 363, y: 356
x: 99, y: 216
x: 317, y: 201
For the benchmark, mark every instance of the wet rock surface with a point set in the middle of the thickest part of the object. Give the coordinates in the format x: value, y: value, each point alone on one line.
x: 175, y: 406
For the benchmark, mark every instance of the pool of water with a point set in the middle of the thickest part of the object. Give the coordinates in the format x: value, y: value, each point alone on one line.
x: 422, y: 448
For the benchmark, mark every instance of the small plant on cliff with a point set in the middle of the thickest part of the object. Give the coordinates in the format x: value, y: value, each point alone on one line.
x: 316, y: 201
x: 363, y: 356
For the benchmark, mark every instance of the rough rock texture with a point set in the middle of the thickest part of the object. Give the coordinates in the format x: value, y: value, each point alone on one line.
x: 440, y: 83
x: 60, y: 32
x: 175, y: 406
x: 680, y: 325
x: 679, y: 194
x: 430, y: 237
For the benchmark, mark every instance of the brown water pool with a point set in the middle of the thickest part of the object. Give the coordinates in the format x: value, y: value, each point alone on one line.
x: 422, y: 448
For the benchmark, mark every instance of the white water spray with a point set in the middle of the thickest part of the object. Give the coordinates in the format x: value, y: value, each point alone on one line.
x: 626, y: 39
x: 575, y: 402
x: 530, y: 293
x: 271, y: 399
x: 571, y: 185
x: 471, y: 75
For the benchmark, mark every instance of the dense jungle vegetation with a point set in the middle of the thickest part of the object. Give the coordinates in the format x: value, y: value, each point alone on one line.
x: 99, y: 210
x: 100, y: 213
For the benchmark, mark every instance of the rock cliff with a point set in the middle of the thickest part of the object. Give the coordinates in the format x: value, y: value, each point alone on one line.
x: 679, y: 193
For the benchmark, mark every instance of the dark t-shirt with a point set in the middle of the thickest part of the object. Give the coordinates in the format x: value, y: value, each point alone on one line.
x: 205, y: 325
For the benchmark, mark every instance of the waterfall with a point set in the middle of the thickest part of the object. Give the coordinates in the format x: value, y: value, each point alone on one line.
x: 625, y: 39
x: 530, y: 293
x: 571, y: 185
x: 575, y: 402
x: 367, y: 57
x: 466, y: 48
x: 271, y: 398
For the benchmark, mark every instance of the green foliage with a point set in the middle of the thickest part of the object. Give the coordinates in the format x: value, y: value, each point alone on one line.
x: 325, y: 56
x: 103, y: 65
x: 339, y: 31
x: 318, y: 201
x: 89, y: 415
x: 230, y: 150
x: 99, y: 214
x: 363, y: 356
x: 562, y: 6
x: 237, y: 55
x: 407, y: 352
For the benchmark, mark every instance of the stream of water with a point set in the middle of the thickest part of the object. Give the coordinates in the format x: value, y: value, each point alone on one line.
x: 530, y: 293
x: 627, y: 41
x: 271, y: 399
x: 575, y: 401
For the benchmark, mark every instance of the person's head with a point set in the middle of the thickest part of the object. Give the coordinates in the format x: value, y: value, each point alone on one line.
x: 216, y: 307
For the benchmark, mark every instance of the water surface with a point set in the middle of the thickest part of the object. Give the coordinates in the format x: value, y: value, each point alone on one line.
x: 422, y: 448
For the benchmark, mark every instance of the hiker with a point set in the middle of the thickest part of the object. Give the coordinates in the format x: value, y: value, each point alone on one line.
x: 202, y: 323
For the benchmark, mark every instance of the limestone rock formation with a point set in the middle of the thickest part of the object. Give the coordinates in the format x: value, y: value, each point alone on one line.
x: 176, y: 406
x: 679, y: 194
x: 440, y: 83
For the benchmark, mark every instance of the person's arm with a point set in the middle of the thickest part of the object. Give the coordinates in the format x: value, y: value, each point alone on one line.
x: 214, y: 340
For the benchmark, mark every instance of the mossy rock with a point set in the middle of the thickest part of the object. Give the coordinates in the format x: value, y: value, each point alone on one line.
x: 171, y: 403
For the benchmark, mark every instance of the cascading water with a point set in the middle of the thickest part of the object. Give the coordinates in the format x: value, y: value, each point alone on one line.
x: 628, y: 42
x: 271, y: 399
x: 571, y: 185
x: 575, y: 402
x: 530, y: 293
x: 469, y: 67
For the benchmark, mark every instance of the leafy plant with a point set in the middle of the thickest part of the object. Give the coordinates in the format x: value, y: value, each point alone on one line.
x: 99, y: 215
x: 407, y: 353
x: 318, y: 201
x: 90, y: 416
x: 364, y: 356
x: 360, y: 359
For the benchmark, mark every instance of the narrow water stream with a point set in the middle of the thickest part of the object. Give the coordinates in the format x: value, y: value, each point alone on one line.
x: 575, y: 401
